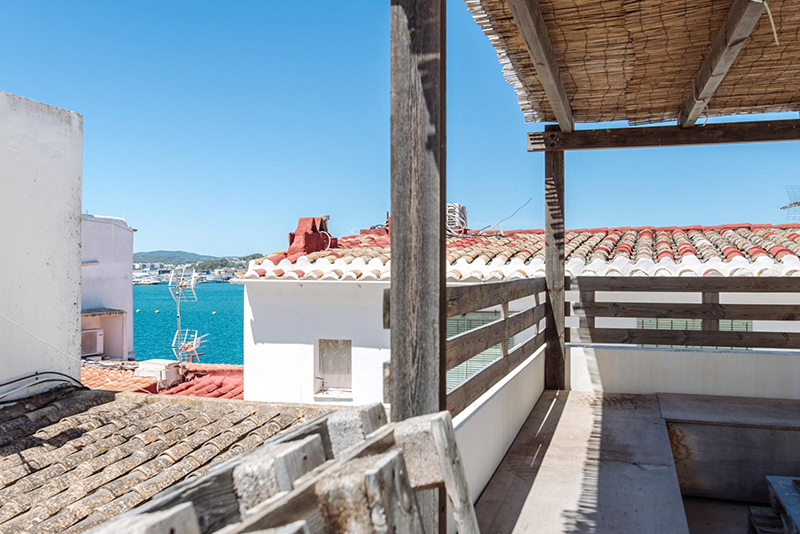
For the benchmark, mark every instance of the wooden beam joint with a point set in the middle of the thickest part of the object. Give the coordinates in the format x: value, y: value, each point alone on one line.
x: 739, y: 24
x: 663, y: 136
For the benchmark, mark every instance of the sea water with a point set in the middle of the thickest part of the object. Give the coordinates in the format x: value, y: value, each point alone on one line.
x: 155, y: 321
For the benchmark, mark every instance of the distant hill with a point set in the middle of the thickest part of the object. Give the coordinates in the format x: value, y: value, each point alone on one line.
x: 170, y: 256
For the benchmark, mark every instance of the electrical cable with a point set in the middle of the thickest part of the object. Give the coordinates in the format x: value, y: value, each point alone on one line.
x: 9, y: 392
x: 38, y: 373
x: 507, y: 218
x: 53, y: 346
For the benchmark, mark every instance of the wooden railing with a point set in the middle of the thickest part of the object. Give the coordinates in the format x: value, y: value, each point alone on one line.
x: 710, y: 311
x: 460, y: 348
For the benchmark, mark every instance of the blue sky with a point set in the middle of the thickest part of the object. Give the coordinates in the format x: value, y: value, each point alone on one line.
x: 213, y: 126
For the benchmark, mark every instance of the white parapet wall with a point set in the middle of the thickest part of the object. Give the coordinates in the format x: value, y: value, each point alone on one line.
x: 736, y: 373
x: 41, y: 159
x: 488, y: 427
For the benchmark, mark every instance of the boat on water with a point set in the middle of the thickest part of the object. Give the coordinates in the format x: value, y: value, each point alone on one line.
x: 146, y: 281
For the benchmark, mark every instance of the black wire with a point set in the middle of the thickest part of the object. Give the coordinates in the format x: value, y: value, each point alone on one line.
x: 39, y: 373
x: 36, y: 384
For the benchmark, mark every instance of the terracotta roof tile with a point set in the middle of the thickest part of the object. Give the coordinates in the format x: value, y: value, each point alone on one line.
x: 125, y: 448
x: 211, y: 380
x: 727, y: 250
x: 200, y: 380
x: 115, y: 379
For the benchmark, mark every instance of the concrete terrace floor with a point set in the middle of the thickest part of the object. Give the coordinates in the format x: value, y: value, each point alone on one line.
x: 586, y: 462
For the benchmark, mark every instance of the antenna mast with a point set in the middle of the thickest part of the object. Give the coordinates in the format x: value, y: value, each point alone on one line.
x: 185, y: 343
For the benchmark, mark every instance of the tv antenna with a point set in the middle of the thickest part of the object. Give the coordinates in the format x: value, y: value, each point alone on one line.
x: 794, y: 202
x: 185, y: 343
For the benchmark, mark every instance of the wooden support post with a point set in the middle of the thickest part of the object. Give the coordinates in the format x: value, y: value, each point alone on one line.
x: 586, y: 297
x: 555, y: 353
x: 418, y: 300
x: 418, y: 209
x: 710, y: 325
x: 504, y: 344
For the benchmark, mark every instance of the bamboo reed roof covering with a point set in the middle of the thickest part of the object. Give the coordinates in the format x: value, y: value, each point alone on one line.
x: 635, y: 60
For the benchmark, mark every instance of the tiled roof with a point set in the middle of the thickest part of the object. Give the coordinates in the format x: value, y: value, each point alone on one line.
x: 72, y: 460
x: 212, y: 381
x: 727, y: 250
x: 116, y: 378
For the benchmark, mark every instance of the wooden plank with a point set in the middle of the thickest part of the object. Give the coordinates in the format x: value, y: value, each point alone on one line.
x: 530, y: 23
x: 298, y: 527
x: 391, y: 498
x: 674, y: 310
x: 302, y: 457
x: 784, y: 495
x: 214, y: 495
x: 764, y: 520
x: 555, y: 354
x: 710, y: 323
x: 777, y: 414
x: 474, y: 297
x: 180, y: 519
x: 348, y: 427
x: 479, y: 383
x: 465, y: 299
x: 742, y: 18
x: 587, y: 298
x: 506, y: 336
x: 387, y: 308
x: 655, y: 136
x: 689, y: 338
x: 418, y: 206
x: 464, y: 346
x: 302, y: 501
x: 455, y: 479
x: 699, y: 284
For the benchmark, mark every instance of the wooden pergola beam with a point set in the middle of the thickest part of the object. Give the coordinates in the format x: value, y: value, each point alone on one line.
x: 742, y: 18
x: 658, y: 136
x: 530, y: 23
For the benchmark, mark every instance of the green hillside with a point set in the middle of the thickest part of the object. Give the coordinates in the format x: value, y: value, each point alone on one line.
x: 170, y: 256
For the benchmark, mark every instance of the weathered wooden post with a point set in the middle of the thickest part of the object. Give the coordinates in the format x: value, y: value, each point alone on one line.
x: 555, y: 354
x: 418, y: 216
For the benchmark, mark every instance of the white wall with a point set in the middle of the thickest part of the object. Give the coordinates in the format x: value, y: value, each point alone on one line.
x: 488, y: 427
x: 107, y: 255
x: 737, y: 373
x: 282, y: 321
x: 284, y: 318
x: 41, y: 158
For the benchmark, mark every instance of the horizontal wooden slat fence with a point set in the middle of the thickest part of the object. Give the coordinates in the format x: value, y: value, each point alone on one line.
x: 460, y: 348
x: 709, y: 311
x: 465, y: 299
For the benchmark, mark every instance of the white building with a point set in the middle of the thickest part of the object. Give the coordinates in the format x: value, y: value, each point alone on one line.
x: 313, y: 316
x: 41, y: 159
x: 107, y: 288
